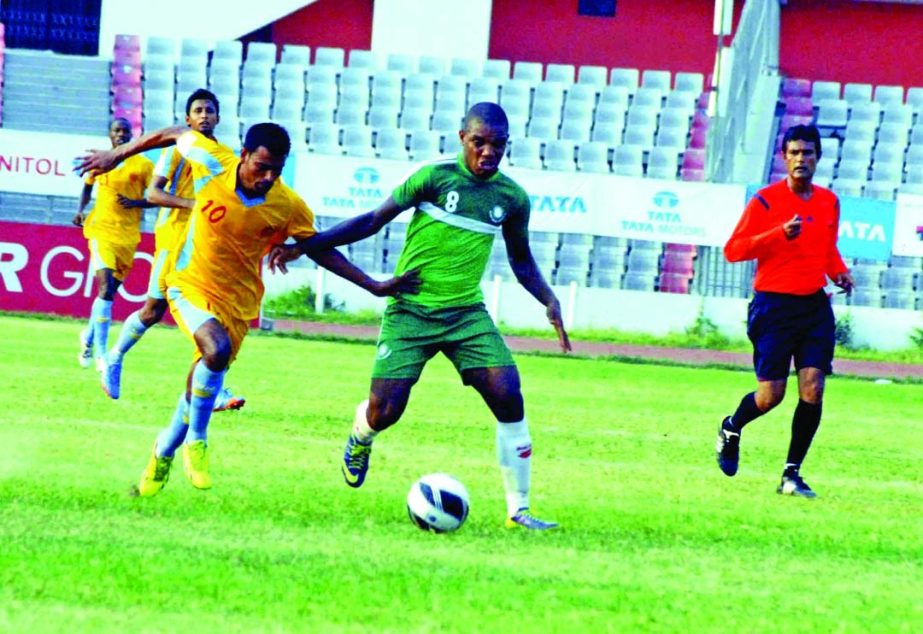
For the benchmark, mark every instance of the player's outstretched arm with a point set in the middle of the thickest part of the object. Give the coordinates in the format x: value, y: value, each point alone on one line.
x: 346, y: 232
x: 99, y: 161
x: 529, y: 275
x: 336, y: 262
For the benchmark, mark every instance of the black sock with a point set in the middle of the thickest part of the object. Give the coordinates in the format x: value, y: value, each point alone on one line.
x: 804, y: 425
x: 746, y: 412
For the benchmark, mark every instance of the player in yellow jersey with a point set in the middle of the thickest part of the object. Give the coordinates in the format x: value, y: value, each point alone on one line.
x: 215, y: 287
x: 172, y: 190
x: 112, y: 230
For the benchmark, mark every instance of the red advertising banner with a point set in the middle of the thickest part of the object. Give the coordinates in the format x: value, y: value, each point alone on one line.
x: 47, y: 269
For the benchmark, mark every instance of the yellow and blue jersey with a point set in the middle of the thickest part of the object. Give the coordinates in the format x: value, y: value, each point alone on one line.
x: 170, y: 226
x: 228, y: 233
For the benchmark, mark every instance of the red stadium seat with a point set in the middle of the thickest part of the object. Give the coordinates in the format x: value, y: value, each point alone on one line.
x: 673, y: 283
x: 127, y: 96
x: 691, y: 174
x: 126, y: 75
x: 133, y: 115
x: 795, y: 87
x: 799, y: 106
x: 697, y: 138
x: 125, y: 57
x: 127, y: 43
x: 694, y: 159
x: 678, y: 263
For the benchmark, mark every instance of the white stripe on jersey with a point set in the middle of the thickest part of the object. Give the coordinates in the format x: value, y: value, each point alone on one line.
x: 455, y: 220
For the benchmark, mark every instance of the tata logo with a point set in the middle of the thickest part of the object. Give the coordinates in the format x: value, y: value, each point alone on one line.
x: 558, y: 204
x: 367, y: 175
x: 666, y: 200
x: 862, y: 231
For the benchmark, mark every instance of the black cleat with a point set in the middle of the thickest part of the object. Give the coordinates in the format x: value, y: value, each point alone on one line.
x: 728, y: 447
x: 792, y: 484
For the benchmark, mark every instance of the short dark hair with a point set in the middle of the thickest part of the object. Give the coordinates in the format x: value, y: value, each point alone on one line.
x: 807, y: 133
x: 271, y: 136
x: 125, y: 122
x: 487, y: 112
x: 203, y: 94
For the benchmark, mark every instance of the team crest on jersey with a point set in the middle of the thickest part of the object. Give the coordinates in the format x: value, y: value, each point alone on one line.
x: 384, y: 351
x: 497, y: 214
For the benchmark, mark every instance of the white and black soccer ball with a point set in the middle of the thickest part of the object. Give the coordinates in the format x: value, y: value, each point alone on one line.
x: 438, y: 502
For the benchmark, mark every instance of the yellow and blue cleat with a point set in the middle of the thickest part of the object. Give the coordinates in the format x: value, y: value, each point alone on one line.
x: 195, y: 464
x: 228, y: 400
x: 155, y: 475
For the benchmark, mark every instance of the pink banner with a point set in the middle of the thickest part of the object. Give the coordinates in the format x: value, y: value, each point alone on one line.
x: 46, y: 269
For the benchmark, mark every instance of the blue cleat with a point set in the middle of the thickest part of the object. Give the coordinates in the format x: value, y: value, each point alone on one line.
x: 524, y: 519
x: 728, y: 447
x: 356, y: 461
x: 227, y: 400
x: 793, y: 484
x: 111, y: 378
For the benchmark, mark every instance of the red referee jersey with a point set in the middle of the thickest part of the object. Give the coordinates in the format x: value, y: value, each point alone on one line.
x: 799, y: 266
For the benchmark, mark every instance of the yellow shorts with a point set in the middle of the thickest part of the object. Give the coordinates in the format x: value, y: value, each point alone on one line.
x: 191, y: 308
x: 116, y: 256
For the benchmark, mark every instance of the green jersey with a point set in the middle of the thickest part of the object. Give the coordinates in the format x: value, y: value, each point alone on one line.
x: 452, y: 231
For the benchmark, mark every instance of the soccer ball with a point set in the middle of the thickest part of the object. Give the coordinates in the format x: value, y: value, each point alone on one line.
x: 438, y: 502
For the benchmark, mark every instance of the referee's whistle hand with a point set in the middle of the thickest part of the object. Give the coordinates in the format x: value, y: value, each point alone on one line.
x: 792, y: 228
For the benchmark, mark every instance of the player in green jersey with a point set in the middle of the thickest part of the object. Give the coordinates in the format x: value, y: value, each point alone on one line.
x: 460, y: 205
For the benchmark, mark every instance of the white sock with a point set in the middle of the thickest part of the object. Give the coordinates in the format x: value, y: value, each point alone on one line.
x: 514, y: 451
x: 361, y: 429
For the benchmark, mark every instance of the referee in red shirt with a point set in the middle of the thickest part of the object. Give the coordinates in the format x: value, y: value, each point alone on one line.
x: 790, y: 229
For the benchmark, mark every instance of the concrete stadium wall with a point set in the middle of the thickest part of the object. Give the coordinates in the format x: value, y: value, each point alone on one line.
x: 630, y: 311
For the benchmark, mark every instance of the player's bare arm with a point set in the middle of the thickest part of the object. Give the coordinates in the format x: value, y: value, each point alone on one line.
x: 336, y: 262
x: 160, y: 198
x: 135, y: 203
x: 82, y: 205
x: 100, y: 161
x: 844, y: 280
x: 346, y: 232
x: 528, y: 274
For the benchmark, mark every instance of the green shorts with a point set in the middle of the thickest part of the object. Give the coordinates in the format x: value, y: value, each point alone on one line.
x: 411, y: 335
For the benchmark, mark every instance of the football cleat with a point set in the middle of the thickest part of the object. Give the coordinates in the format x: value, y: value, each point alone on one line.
x: 792, y: 484
x: 195, y: 464
x: 728, y: 447
x: 85, y: 356
x: 524, y: 519
x: 226, y: 400
x: 111, y: 378
x: 155, y: 475
x: 356, y: 461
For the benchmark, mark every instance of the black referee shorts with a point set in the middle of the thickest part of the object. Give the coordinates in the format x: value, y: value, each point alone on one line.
x: 783, y: 327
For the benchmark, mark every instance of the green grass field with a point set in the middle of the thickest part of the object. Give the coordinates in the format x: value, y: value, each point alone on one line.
x: 654, y: 537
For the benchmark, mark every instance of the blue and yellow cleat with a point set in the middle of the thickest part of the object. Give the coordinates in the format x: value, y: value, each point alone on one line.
x: 195, y: 464
x: 111, y: 378
x: 227, y: 400
x: 524, y: 519
x: 356, y: 461
x: 155, y: 475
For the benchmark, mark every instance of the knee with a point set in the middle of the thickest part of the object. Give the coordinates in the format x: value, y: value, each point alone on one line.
x: 383, y: 412
x: 813, y: 394
x: 151, y: 314
x: 767, y: 400
x: 216, y: 353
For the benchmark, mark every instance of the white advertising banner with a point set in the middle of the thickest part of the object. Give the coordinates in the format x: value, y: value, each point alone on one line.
x: 908, y: 226
x: 41, y: 163
x: 598, y: 204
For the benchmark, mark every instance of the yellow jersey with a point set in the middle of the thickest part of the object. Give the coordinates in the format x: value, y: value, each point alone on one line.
x: 108, y: 221
x: 170, y: 226
x: 228, y: 233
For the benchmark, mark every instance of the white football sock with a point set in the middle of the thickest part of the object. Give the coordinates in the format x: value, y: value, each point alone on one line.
x: 361, y: 429
x: 514, y: 451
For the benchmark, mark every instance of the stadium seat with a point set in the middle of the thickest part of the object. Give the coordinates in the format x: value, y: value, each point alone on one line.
x: 559, y: 155
x: 498, y: 69
x: 391, y: 143
x: 856, y: 93
x: 822, y: 91
x: 358, y: 58
x: 526, y: 153
x: 663, y: 163
x: 228, y: 50
x: 659, y: 79
x: 160, y: 46
x: 544, y: 128
x: 424, y: 144
x: 357, y: 140
x: 889, y: 94
x: 595, y: 76
x: 406, y: 65
x: 350, y: 114
x: 383, y: 116
x: 483, y: 89
x: 467, y: 68
x: 627, y: 160
x: 795, y: 87
x: 530, y: 72
x: 593, y: 156
x: 415, y: 118
x: 561, y: 73
x: 689, y: 82
x: 832, y: 116
x: 296, y: 54
x: 432, y: 65
x: 329, y: 56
